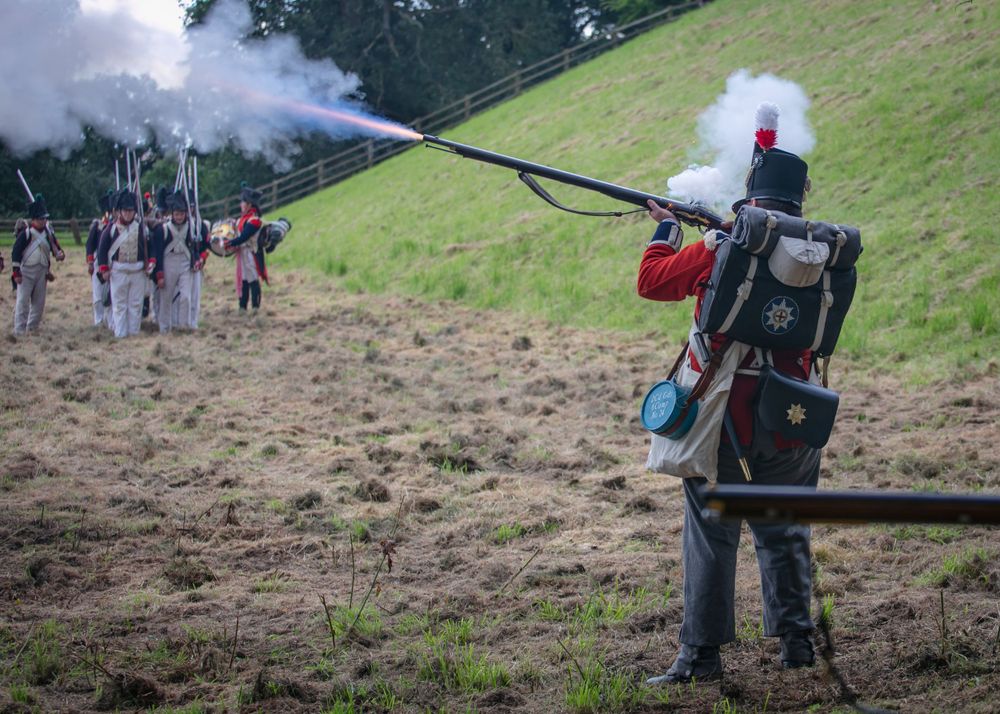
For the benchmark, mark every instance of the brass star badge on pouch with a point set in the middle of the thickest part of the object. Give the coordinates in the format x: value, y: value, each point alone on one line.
x: 796, y: 414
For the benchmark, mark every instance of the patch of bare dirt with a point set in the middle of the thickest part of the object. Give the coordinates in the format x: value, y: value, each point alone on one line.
x: 204, y: 514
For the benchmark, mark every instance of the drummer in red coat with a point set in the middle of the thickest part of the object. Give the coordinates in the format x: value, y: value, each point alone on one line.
x: 250, y: 266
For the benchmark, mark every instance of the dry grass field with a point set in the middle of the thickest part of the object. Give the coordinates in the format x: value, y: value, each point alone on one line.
x: 359, y: 503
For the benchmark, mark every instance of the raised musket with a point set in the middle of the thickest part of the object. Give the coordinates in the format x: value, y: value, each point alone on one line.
x: 800, y: 504
x: 692, y: 214
x: 24, y: 183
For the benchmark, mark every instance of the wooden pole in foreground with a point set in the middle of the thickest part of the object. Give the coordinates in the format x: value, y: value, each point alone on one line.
x: 799, y: 504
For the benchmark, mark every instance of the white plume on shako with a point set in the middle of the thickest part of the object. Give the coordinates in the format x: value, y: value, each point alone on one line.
x: 727, y: 129
x: 259, y: 95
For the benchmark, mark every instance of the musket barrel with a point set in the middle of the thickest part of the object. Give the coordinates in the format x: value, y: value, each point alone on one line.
x: 24, y: 182
x: 797, y: 504
x: 621, y: 193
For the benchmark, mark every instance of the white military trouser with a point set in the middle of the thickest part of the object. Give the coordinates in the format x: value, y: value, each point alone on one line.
x: 175, y: 295
x: 99, y: 290
x: 128, y: 287
x: 196, y: 278
x: 30, y: 302
x: 248, y: 264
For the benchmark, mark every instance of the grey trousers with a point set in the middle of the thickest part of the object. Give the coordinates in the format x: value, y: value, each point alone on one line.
x: 709, y: 554
x: 30, y: 303
x: 175, y: 297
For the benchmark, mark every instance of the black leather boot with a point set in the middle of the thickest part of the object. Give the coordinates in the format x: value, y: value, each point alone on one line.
x: 797, y: 650
x: 702, y: 664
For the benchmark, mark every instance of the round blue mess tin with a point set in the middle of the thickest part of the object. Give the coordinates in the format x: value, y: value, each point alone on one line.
x: 662, y: 408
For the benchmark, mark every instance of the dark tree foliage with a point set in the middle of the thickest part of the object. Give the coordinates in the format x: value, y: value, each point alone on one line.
x: 412, y: 56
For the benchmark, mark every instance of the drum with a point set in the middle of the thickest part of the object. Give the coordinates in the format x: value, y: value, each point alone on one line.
x: 222, y: 231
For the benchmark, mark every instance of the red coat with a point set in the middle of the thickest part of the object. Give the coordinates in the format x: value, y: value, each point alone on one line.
x: 669, y: 275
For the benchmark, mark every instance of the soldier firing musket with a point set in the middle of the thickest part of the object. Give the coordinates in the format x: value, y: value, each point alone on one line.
x: 743, y: 403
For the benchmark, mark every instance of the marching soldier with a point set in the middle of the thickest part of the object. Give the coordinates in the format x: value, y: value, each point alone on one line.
x: 176, y: 248
x: 250, y: 267
x: 34, y: 246
x: 99, y: 290
x: 155, y: 214
x: 123, y: 257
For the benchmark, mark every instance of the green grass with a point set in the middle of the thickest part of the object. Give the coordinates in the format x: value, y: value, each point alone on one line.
x: 43, y: 658
x: 971, y: 566
x: 461, y: 668
x: 272, y: 583
x: 368, y: 625
x: 506, y: 533
x: 907, y: 150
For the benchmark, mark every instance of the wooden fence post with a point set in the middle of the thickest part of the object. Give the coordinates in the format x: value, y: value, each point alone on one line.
x: 370, y: 149
x: 319, y: 174
x: 517, y: 83
x: 74, y: 227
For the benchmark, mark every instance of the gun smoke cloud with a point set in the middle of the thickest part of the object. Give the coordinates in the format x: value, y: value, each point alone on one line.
x: 726, y: 132
x: 64, y: 70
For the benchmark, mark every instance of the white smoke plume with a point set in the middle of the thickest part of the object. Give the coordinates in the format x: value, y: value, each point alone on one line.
x: 64, y: 70
x: 726, y: 131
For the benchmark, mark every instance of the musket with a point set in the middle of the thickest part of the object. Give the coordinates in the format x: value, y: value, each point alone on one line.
x: 24, y: 182
x: 181, y: 160
x: 799, y: 504
x: 118, y: 178
x: 187, y: 196
x: 138, y: 187
x: 692, y: 214
x: 197, y: 207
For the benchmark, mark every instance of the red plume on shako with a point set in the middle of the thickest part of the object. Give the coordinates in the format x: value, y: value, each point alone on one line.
x: 766, y: 121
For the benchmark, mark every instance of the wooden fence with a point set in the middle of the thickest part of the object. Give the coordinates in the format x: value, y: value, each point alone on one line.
x: 65, y: 230
x: 365, y: 154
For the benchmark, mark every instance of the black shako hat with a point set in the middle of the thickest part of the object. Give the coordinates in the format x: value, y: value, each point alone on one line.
x: 249, y: 194
x: 774, y: 174
x: 37, y: 209
x: 177, y: 202
x: 106, y: 202
x: 127, y: 202
x: 162, y: 199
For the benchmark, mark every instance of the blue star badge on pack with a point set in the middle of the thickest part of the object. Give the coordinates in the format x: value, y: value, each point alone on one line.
x: 780, y: 315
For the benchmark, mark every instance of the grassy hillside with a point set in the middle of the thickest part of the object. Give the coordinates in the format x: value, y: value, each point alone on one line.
x: 906, y: 148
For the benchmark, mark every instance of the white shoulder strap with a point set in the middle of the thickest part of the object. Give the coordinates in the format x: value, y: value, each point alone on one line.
x: 742, y: 294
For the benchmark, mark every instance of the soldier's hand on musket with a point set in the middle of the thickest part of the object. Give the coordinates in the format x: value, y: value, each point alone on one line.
x: 16, y: 276
x: 90, y: 268
x: 198, y: 265
x: 60, y: 255
x: 161, y: 282
x: 660, y: 214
